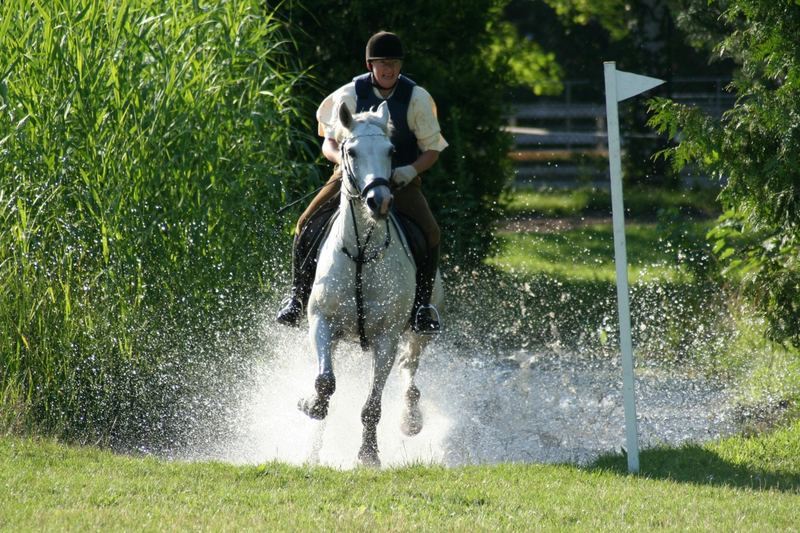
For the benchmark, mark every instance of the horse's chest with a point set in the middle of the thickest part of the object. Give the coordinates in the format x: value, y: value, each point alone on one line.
x: 387, y: 286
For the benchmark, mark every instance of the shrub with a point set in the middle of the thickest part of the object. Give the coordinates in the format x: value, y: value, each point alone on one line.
x: 754, y: 150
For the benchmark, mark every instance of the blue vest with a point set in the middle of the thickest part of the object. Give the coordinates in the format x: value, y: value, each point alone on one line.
x: 406, y: 150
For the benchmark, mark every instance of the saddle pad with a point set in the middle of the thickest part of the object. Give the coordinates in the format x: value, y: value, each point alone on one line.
x: 414, y: 236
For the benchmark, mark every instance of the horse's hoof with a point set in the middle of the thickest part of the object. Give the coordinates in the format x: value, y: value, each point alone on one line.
x: 411, y: 423
x: 369, y: 457
x: 315, y: 407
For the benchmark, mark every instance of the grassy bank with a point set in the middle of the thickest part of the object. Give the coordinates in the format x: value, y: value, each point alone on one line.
x: 736, y: 484
x: 640, y: 201
x: 580, y: 250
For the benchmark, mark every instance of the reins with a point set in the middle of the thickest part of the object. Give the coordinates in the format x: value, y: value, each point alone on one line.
x: 360, y: 258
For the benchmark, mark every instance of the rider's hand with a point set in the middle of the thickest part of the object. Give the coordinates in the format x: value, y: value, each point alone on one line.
x: 402, y: 176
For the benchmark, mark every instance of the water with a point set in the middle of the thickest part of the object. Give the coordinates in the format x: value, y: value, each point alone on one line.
x: 479, y: 409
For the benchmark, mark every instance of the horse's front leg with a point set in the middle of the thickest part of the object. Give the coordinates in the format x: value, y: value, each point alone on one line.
x: 411, y: 418
x: 383, y: 357
x: 321, y: 332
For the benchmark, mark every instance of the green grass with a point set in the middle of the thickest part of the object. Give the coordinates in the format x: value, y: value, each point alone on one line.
x: 640, y: 201
x: 736, y: 484
x: 654, y: 251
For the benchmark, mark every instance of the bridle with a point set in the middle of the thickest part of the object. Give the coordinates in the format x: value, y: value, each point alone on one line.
x: 360, y: 258
x: 347, y: 169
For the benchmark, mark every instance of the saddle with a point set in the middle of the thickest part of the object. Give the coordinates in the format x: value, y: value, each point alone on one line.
x: 313, y: 234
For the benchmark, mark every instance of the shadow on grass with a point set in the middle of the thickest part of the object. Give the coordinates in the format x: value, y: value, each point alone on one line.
x: 698, y: 465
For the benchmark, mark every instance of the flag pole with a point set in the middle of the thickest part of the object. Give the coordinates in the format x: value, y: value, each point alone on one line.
x: 621, y: 261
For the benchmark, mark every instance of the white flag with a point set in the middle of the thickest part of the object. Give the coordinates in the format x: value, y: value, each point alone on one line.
x: 629, y: 84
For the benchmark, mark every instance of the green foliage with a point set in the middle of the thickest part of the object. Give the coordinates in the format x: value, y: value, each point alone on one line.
x: 144, y: 146
x: 446, y: 46
x: 754, y: 151
x: 612, y: 14
x: 531, y: 66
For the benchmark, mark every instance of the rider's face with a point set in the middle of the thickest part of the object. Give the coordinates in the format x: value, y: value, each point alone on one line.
x: 386, y: 72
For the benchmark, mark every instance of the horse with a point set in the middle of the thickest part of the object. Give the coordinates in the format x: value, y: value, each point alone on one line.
x: 365, y: 281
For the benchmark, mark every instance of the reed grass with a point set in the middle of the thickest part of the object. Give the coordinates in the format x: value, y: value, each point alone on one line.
x: 144, y: 148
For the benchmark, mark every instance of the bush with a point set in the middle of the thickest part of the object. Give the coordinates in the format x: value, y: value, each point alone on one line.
x: 145, y: 146
x: 754, y: 151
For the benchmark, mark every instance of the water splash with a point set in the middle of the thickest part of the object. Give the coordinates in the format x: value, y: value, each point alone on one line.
x: 479, y: 408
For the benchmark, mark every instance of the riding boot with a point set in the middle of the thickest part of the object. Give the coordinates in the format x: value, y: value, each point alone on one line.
x: 302, y: 271
x: 425, y: 317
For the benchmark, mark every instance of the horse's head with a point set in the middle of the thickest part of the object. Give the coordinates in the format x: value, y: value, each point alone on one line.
x: 367, y: 157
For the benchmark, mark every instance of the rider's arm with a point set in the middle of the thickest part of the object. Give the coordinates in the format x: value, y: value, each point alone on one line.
x: 330, y: 149
x: 425, y: 160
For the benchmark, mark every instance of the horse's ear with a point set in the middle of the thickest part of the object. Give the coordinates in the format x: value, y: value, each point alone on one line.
x: 383, y: 113
x: 345, y: 117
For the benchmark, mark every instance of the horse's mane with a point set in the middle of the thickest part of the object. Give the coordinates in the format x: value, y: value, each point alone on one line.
x: 365, y: 118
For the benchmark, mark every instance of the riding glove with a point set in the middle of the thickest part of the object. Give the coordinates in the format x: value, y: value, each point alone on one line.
x: 402, y: 176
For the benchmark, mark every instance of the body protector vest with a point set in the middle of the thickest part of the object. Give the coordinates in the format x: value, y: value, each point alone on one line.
x: 406, y: 150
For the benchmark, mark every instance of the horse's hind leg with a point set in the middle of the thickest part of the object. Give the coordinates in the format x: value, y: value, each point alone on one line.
x: 411, y: 418
x: 316, y: 406
x: 382, y: 361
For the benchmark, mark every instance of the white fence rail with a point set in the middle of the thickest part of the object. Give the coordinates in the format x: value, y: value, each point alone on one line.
x: 563, y: 143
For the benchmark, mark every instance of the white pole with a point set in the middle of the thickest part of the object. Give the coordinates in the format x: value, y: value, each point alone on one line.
x: 621, y: 260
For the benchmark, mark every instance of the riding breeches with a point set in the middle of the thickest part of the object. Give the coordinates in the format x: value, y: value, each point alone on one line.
x: 408, y: 201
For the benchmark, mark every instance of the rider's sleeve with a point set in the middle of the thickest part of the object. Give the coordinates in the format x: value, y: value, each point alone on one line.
x: 423, y: 121
x: 326, y: 112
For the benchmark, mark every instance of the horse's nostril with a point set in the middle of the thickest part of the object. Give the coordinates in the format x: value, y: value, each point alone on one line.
x: 371, y: 203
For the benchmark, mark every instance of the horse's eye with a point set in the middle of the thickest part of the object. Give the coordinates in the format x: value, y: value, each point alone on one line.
x: 391, y: 151
x: 351, y: 153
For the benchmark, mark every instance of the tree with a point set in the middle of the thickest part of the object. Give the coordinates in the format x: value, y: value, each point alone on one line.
x: 754, y: 150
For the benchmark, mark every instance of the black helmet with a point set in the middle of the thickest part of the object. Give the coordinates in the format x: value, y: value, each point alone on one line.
x: 384, y: 45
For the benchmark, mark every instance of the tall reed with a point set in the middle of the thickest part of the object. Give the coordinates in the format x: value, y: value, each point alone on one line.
x: 144, y: 148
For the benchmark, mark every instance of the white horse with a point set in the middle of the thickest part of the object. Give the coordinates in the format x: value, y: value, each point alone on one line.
x: 365, y: 280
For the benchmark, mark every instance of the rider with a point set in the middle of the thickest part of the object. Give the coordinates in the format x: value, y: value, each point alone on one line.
x: 417, y: 140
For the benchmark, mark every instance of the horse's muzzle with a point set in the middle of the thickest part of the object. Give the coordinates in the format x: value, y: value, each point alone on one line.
x: 379, y: 201
x: 378, y: 197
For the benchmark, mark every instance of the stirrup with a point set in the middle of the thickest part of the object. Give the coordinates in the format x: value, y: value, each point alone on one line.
x: 432, y: 331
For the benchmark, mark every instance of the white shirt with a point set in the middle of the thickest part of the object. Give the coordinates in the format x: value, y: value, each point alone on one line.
x: 422, y: 119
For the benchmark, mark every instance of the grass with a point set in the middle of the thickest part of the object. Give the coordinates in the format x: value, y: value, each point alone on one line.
x: 554, y: 281
x: 640, y: 201
x: 587, y: 252
x: 735, y: 484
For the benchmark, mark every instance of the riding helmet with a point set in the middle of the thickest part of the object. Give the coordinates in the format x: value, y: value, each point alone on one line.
x: 384, y: 45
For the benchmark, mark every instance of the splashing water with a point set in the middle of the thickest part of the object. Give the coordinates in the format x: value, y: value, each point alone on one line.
x: 478, y: 408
